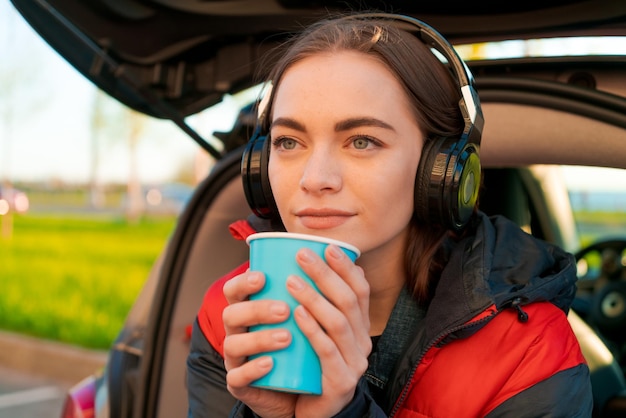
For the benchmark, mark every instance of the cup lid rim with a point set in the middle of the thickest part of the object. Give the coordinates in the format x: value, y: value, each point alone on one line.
x: 308, y: 237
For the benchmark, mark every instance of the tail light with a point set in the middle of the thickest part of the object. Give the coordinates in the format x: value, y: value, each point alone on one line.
x: 80, y: 400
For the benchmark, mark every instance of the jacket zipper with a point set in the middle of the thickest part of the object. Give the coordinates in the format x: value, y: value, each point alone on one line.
x: 521, y: 315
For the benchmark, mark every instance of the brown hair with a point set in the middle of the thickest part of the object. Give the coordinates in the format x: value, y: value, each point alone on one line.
x: 432, y: 92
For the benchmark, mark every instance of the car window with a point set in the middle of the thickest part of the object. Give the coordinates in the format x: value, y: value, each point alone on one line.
x: 596, y: 45
x: 598, y: 199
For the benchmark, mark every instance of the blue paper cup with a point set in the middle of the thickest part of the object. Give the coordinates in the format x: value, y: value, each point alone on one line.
x: 296, y: 368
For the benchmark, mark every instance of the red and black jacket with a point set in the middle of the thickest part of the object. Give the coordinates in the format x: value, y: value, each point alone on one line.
x: 494, y: 341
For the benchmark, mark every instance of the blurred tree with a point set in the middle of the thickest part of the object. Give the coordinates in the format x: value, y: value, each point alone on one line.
x: 15, y: 73
x: 135, y: 207
x: 8, y: 79
x: 186, y: 171
x: 112, y: 123
x: 98, y: 122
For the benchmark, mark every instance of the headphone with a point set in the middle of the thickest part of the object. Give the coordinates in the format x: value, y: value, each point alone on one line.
x: 449, y: 171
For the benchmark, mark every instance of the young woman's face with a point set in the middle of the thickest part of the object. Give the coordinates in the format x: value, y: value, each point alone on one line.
x: 345, y: 149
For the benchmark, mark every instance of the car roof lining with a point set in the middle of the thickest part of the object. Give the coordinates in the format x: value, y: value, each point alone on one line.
x: 520, y: 135
x: 457, y: 21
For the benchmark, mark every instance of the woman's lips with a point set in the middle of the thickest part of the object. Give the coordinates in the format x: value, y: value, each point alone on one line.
x: 322, y: 218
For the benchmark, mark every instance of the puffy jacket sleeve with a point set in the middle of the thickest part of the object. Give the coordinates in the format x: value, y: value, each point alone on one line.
x: 565, y: 394
x: 509, y: 368
x: 362, y: 404
x: 206, y: 380
x: 563, y: 387
x: 206, y: 374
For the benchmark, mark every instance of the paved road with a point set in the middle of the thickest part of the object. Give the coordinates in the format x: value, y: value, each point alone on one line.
x: 36, y: 374
x: 27, y: 396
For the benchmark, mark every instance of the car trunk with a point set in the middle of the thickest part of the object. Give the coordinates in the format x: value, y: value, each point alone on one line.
x: 173, y: 58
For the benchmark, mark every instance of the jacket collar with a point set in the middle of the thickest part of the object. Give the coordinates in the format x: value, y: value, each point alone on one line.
x: 499, y: 265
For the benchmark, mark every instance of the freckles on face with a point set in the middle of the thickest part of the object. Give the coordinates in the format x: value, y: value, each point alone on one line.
x: 345, y: 149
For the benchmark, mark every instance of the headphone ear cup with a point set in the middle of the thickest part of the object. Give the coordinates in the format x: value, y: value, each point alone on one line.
x: 465, y: 185
x: 447, y: 182
x: 255, y: 178
x: 422, y: 194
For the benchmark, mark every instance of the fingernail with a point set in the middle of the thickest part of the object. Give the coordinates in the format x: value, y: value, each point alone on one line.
x: 306, y: 255
x: 280, y: 336
x: 335, y: 252
x: 253, y: 278
x: 265, y: 362
x: 278, y: 308
x: 295, y: 283
x: 301, y: 312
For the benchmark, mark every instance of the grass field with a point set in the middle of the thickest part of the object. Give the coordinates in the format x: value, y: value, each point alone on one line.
x: 74, y: 279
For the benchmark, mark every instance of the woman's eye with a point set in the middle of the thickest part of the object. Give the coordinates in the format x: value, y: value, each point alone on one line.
x: 362, y: 142
x: 285, y: 143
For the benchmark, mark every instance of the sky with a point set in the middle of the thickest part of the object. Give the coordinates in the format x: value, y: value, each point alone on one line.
x: 46, y: 108
x: 45, y: 119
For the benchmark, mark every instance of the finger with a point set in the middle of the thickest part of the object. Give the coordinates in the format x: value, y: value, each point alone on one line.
x: 240, y: 377
x: 339, y: 279
x: 335, y: 289
x: 239, y: 316
x: 352, y: 275
x: 262, y: 402
x: 240, y: 287
x: 342, y: 367
x: 238, y: 347
x: 346, y: 335
x: 244, y: 345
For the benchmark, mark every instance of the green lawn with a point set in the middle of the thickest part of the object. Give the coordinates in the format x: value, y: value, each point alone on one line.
x: 74, y: 279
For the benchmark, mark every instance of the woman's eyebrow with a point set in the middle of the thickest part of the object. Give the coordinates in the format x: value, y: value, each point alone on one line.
x: 288, y: 123
x: 352, y: 123
x: 343, y: 125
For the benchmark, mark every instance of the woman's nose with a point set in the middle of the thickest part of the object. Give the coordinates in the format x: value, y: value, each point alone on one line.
x: 322, y: 172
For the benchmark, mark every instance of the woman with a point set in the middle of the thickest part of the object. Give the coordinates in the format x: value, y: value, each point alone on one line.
x: 446, y: 313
